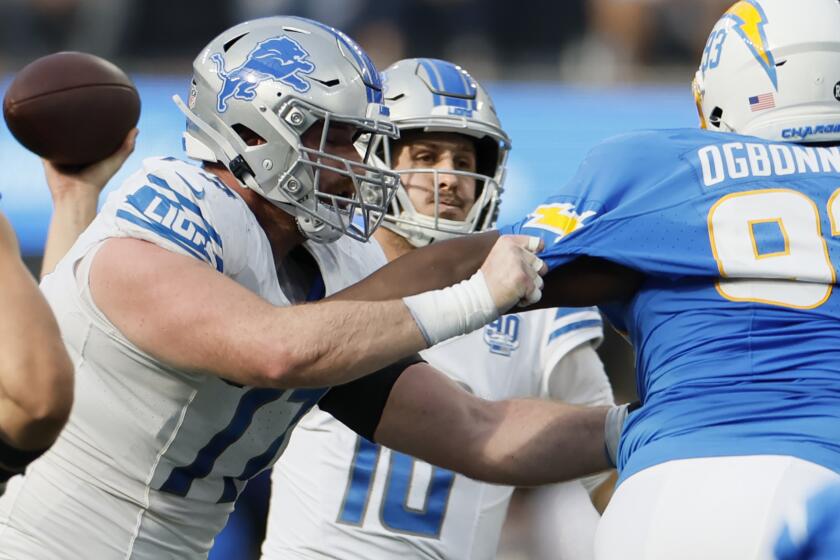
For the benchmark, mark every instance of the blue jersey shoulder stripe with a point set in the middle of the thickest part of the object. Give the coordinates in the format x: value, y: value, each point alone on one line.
x: 318, y: 290
x: 196, y: 251
x: 187, y: 203
x: 577, y: 325
x: 566, y: 311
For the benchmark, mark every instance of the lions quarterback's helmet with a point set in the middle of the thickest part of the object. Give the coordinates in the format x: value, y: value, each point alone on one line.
x: 437, y: 96
x: 274, y: 78
x: 771, y: 68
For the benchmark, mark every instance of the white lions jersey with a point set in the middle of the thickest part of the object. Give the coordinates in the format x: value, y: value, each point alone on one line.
x: 152, y: 458
x: 337, y: 495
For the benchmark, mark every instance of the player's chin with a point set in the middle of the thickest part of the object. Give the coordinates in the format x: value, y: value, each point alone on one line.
x: 455, y: 213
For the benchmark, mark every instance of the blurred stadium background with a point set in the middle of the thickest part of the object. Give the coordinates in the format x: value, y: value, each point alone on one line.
x: 564, y: 75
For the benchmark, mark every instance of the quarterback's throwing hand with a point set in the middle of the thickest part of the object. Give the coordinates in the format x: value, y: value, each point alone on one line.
x: 88, y: 181
x: 514, y: 272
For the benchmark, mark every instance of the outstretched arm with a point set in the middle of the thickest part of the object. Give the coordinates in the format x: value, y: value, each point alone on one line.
x: 430, y: 268
x: 75, y: 194
x: 583, y: 282
x: 519, y: 442
x: 191, y: 317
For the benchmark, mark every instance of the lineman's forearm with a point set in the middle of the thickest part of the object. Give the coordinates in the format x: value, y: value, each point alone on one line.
x: 430, y: 268
x: 533, y: 442
x: 72, y: 214
x: 338, y: 341
x: 517, y: 442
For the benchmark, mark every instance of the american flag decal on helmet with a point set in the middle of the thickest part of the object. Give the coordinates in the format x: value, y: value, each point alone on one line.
x: 761, y: 102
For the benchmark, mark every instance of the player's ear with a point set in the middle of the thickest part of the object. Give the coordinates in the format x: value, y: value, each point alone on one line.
x: 248, y: 136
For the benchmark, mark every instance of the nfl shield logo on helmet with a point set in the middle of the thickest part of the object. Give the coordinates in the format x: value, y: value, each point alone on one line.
x: 193, y: 96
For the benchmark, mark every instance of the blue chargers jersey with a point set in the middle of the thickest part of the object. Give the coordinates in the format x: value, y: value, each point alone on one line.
x: 736, y: 326
x: 814, y: 534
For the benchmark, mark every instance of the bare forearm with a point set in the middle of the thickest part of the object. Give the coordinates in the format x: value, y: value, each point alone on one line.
x: 430, y: 268
x: 314, y: 345
x: 75, y: 193
x: 515, y: 442
x: 582, y: 282
x: 72, y: 214
x: 537, y: 442
x: 339, y: 341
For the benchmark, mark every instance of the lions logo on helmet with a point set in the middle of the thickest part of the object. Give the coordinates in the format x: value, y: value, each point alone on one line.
x: 273, y: 79
x: 278, y: 58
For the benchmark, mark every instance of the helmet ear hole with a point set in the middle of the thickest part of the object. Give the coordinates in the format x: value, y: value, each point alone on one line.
x: 715, y: 117
x: 487, y: 156
x: 248, y: 136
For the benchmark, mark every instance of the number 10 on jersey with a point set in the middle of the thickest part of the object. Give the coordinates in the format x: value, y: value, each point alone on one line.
x: 395, y: 514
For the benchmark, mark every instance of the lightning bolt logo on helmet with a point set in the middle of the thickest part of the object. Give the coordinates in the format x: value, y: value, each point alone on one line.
x: 749, y: 21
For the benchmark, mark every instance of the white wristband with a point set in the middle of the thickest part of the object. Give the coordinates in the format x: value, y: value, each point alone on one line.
x: 452, y: 311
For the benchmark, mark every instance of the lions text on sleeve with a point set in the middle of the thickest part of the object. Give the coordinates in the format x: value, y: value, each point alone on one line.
x: 153, y: 458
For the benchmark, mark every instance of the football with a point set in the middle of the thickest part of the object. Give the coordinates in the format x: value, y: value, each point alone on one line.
x: 71, y: 108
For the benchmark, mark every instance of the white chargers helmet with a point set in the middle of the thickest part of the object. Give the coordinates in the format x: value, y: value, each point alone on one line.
x: 274, y: 78
x: 437, y: 96
x: 771, y: 68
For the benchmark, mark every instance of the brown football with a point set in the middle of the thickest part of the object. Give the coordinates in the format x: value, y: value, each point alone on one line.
x: 71, y: 108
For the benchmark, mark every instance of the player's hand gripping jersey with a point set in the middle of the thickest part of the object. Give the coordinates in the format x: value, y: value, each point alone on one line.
x: 362, y: 500
x: 739, y: 239
x: 153, y: 458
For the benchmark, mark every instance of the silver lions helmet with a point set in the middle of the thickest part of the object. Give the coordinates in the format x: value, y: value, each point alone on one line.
x: 430, y: 95
x: 271, y: 80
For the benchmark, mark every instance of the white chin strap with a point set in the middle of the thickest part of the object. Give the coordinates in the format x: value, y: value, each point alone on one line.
x: 417, y: 235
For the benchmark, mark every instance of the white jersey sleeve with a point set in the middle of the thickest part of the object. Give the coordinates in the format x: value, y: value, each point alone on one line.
x: 571, y: 372
x: 152, y: 457
x: 567, y: 329
x: 183, y: 209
